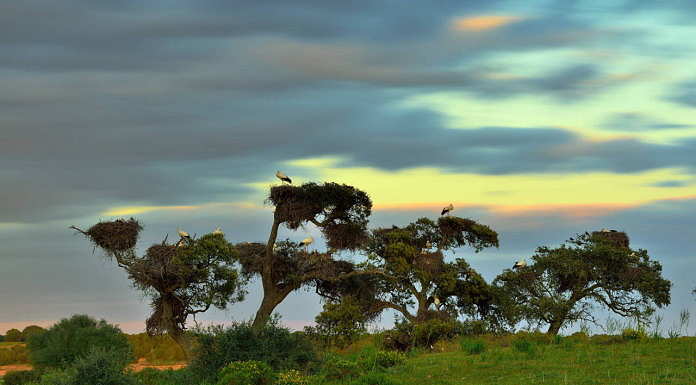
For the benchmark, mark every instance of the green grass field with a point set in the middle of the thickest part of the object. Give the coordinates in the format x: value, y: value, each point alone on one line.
x: 599, y: 360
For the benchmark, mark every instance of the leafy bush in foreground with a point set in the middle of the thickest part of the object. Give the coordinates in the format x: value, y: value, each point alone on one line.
x: 273, y: 345
x: 246, y: 373
x: 151, y: 376
x: 21, y: 377
x: 72, y: 339
x: 291, y: 377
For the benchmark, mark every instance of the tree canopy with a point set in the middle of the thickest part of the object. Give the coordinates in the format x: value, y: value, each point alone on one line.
x: 339, y: 211
x: 563, y: 284
x: 181, y: 279
x: 408, y: 269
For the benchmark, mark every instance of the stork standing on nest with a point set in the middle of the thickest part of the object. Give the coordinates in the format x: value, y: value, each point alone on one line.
x: 218, y: 231
x: 283, y: 177
x: 447, y: 209
x: 520, y: 264
x: 183, y: 236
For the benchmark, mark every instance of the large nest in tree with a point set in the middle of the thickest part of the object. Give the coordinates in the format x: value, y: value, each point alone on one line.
x: 467, y: 231
x: 115, y: 236
x: 350, y: 236
x: 617, y: 238
x: 432, y: 263
x: 158, y: 254
x: 338, y: 203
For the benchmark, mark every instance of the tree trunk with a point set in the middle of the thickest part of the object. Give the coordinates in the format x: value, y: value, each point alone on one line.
x: 184, y: 342
x: 555, y: 326
x: 175, y: 332
x: 271, y: 298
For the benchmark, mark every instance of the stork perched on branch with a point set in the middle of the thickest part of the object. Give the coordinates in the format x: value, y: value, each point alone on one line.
x: 283, y: 177
x: 447, y: 209
x: 520, y: 264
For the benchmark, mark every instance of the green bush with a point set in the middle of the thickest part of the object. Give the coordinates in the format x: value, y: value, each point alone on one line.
x: 634, y: 334
x: 151, y: 376
x: 336, y: 368
x: 371, y: 358
x: 21, y: 377
x: 274, y: 345
x: 30, y: 331
x: 156, y: 348
x: 57, y: 377
x: 472, y: 346
x: 292, y: 377
x: 102, y: 367
x: 72, y: 339
x: 14, y: 355
x: 407, y: 335
x: 523, y: 345
x: 13, y: 335
x: 475, y: 328
x: 246, y: 373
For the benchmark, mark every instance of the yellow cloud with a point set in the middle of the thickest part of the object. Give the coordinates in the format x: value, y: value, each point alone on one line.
x: 134, y: 210
x: 482, y: 22
x: 574, y: 194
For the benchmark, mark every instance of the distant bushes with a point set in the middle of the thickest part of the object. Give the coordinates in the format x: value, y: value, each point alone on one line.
x: 407, y: 335
x: 274, y: 345
x: 14, y: 355
x: 156, y: 348
x: 72, y: 339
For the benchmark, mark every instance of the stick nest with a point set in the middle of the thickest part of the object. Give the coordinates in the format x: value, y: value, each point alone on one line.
x: 617, y: 238
x: 115, y: 236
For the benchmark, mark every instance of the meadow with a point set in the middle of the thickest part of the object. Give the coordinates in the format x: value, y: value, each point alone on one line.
x: 521, y: 358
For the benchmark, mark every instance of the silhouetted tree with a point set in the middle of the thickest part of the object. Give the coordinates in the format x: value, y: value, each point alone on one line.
x: 13, y: 335
x: 409, y: 268
x: 563, y: 284
x: 339, y: 211
x: 181, y: 280
x: 30, y: 331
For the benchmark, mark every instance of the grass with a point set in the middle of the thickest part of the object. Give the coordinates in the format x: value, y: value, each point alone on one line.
x: 514, y: 360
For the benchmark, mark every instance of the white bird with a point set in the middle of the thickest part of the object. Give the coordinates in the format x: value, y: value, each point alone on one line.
x: 307, y: 241
x: 437, y: 301
x: 183, y: 234
x: 428, y: 245
x: 218, y: 231
x: 447, y: 209
x: 519, y: 264
x: 605, y: 230
x: 283, y: 177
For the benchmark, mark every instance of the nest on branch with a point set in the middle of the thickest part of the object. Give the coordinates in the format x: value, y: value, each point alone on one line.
x: 115, y: 236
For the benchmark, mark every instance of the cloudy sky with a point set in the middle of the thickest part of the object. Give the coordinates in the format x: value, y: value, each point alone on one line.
x: 540, y: 120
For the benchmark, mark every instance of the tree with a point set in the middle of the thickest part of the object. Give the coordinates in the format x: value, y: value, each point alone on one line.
x: 13, y: 335
x: 181, y: 280
x: 409, y: 267
x: 30, y: 331
x: 563, y: 284
x: 339, y: 211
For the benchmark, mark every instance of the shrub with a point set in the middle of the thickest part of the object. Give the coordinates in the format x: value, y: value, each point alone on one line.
x: 57, y: 377
x: 523, y: 345
x: 407, y: 335
x: 472, y: 346
x: 475, y: 328
x: 370, y: 359
x: 21, y: 377
x: 292, y: 377
x: 335, y: 368
x: 30, y: 331
x: 72, y: 339
x: 156, y: 348
x: 14, y: 355
x: 633, y: 334
x: 13, y: 335
x: 274, y: 345
x: 102, y: 367
x: 151, y: 376
x: 246, y: 373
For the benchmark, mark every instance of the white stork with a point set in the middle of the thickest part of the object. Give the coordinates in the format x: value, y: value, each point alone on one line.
x: 182, y: 233
x: 447, y: 209
x: 519, y: 264
x: 307, y: 241
x: 218, y: 231
x: 436, y: 301
x: 283, y: 177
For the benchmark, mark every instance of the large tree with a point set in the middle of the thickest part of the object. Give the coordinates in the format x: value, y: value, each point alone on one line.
x: 564, y: 284
x: 181, y: 279
x: 339, y: 211
x: 411, y: 273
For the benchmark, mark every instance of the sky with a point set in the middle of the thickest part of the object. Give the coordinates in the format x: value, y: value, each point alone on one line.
x: 541, y: 119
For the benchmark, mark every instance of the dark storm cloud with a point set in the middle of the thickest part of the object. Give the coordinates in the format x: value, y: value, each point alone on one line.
x: 684, y: 94
x: 635, y: 121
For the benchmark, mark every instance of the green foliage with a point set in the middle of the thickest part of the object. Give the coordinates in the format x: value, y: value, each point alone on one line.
x: 371, y: 359
x: 102, y: 367
x: 340, y: 324
x: 407, y: 335
x: 16, y: 354
x: 151, y: 376
x: 472, y: 347
x: 13, y: 335
x: 563, y: 284
x: 72, y: 339
x: 246, y: 373
x: 30, y: 331
x: 291, y: 377
x: 524, y: 345
x: 21, y: 377
x: 273, y: 345
x: 336, y: 368
x: 57, y: 377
